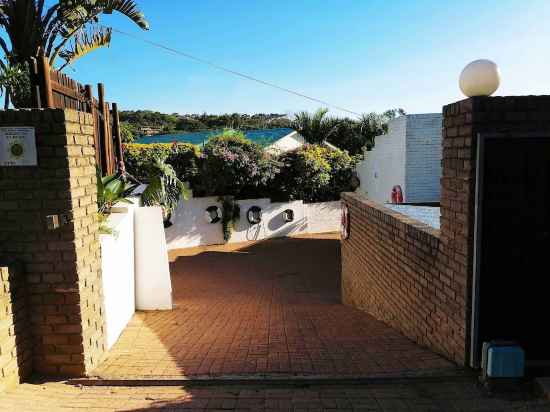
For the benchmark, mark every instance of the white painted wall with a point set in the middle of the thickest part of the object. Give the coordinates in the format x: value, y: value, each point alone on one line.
x: 152, y: 271
x: 424, y: 153
x: 409, y: 155
x: 291, y: 141
x: 117, y: 269
x: 190, y: 228
x: 384, y: 165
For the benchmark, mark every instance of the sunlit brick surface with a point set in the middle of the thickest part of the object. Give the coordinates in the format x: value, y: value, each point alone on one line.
x: 448, y: 396
x: 266, y: 308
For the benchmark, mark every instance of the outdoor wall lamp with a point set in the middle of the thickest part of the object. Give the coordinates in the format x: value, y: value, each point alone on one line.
x: 288, y: 215
x: 254, y: 215
x: 479, y: 78
x: 213, y: 214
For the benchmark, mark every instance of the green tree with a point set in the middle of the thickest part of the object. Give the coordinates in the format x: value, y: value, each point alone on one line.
x: 15, y: 84
x: 69, y: 29
x: 315, y: 128
x: 127, y: 132
x: 314, y: 173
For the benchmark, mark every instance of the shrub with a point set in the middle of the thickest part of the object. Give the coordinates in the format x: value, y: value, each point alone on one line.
x: 314, y: 174
x: 183, y: 157
x: 233, y: 165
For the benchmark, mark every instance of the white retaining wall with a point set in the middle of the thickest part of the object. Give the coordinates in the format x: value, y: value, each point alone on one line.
x: 424, y: 153
x: 409, y: 155
x: 117, y: 268
x: 190, y: 228
x: 153, y: 283
x: 384, y: 165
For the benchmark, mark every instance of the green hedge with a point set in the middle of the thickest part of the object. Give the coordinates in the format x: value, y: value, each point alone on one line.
x: 183, y: 157
x: 231, y: 165
x: 314, y: 173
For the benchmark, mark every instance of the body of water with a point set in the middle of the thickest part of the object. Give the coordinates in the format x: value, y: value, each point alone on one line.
x: 262, y: 136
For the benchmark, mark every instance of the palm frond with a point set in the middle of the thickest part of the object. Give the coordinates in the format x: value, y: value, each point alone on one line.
x: 127, y: 7
x: 84, y: 42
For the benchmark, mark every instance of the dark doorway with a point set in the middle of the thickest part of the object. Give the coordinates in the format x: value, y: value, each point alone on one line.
x: 512, y: 298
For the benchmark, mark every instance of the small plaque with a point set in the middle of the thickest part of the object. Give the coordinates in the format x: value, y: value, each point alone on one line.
x: 17, y: 146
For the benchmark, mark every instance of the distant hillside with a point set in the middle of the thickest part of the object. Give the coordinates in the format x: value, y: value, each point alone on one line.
x: 135, y: 120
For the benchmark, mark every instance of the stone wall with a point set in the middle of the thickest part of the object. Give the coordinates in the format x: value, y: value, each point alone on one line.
x: 62, y: 266
x: 15, y: 342
x: 395, y: 268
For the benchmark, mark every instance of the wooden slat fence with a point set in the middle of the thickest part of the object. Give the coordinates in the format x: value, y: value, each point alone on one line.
x: 52, y: 89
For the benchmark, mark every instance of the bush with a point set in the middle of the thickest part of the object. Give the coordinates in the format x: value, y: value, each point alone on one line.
x: 314, y: 174
x: 183, y: 157
x: 233, y: 165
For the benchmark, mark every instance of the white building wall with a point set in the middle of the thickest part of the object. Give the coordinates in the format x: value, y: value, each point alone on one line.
x: 423, y: 157
x: 384, y: 165
x: 291, y: 141
x: 190, y: 228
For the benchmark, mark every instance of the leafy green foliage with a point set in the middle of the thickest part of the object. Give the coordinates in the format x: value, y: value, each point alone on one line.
x: 315, y: 128
x: 183, y: 157
x: 111, y: 190
x: 15, y: 84
x: 163, y: 188
x: 314, y: 174
x: 67, y: 28
x: 345, y: 133
x: 127, y: 132
x: 232, y: 164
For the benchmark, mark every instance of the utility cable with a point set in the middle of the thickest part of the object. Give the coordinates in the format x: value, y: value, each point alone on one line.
x: 234, y: 72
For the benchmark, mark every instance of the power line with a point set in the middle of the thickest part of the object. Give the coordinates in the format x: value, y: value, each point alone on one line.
x: 234, y: 72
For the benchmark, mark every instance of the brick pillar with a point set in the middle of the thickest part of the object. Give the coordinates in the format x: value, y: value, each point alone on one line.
x: 15, y: 339
x: 462, y: 122
x: 62, y: 266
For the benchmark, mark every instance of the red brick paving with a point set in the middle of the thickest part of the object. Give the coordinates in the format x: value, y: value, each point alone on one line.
x: 265, y: 308
x: 451, y: 396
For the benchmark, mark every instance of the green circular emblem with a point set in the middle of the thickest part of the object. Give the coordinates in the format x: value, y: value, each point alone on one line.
x: 17, y: 150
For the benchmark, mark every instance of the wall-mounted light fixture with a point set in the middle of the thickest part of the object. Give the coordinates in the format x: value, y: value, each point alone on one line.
x: 288, y: 215
x: 254, y: 215
x: 213, y: 214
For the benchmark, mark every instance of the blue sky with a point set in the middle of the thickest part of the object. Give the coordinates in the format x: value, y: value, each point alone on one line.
x: 365, y: 55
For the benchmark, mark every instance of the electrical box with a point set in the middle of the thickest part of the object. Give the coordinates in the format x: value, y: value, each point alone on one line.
x: 501, y: 359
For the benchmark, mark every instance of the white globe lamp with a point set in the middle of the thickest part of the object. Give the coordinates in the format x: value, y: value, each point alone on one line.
x: 479, y: 78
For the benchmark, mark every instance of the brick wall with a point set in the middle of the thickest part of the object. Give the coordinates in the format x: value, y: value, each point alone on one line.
x: 15, y: 342
x: 62, y: 266
x: 414, y: 278
x: 395, y: 268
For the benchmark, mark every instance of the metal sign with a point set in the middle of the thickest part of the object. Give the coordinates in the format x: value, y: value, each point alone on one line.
x: 17, y: 146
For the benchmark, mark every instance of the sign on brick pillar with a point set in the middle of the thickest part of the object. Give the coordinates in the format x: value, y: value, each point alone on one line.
x: 62, y: 264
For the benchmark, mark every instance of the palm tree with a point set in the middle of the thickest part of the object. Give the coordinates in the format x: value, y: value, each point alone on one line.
x: 69, y: 29
x: 315, y: 128
x: 164, y: 188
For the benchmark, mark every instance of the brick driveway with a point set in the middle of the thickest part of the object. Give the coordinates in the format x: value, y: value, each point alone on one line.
x: 417, y: 396
x: 269, y: 308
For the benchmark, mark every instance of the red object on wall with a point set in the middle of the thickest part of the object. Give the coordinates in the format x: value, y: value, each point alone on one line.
x: 397, y: 194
